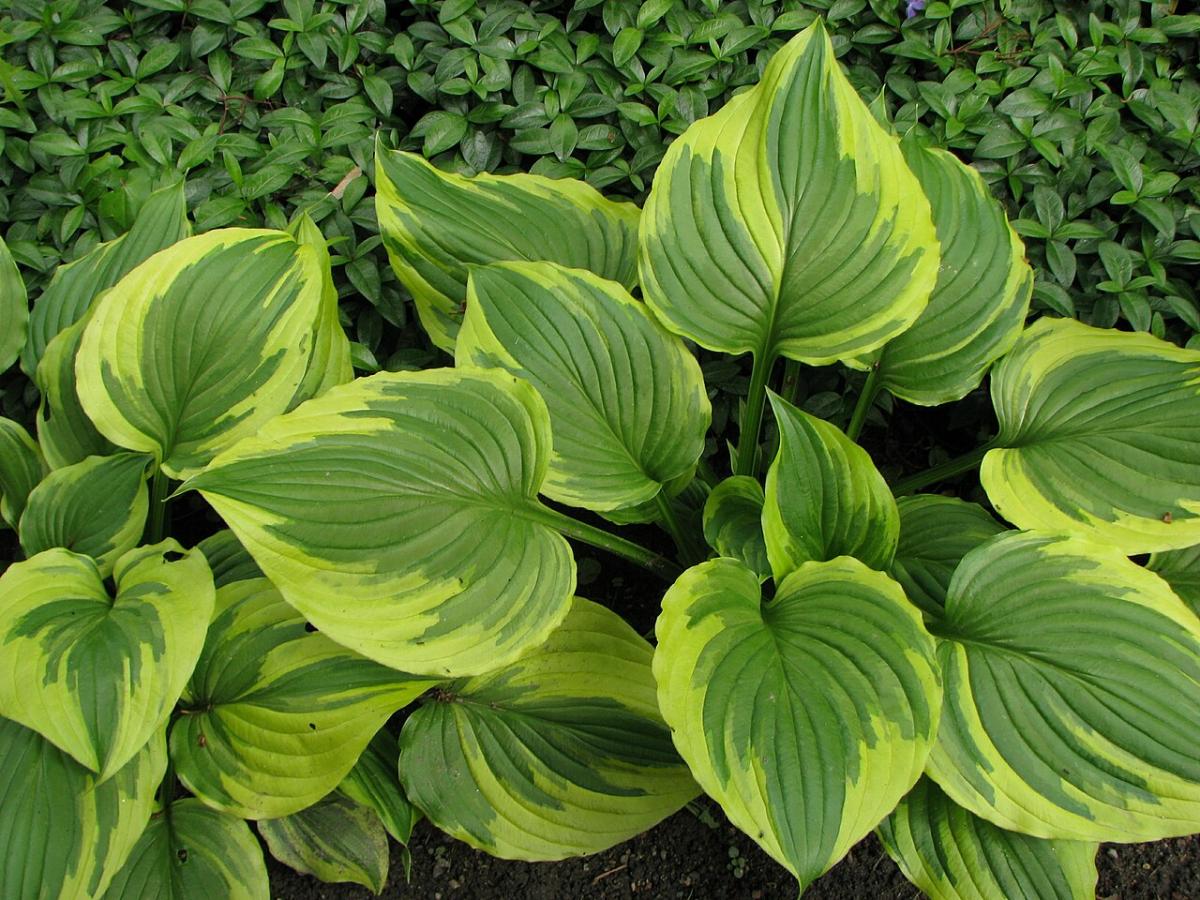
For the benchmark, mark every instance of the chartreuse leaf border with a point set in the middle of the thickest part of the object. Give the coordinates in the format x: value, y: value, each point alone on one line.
x: 98, y: 675
x: 201, y: 345
x: 806, y: 717
x: 399, y: 514
x: 558, y: 754
x: 436, y: 225
x: 274, y: 716
x: 951, y: 854
x: 627, y: 401
x: 61, y: 828
x: 1098, y: 437
x: 1071, y: 677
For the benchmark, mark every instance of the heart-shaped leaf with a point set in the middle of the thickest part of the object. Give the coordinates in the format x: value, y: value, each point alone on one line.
x: 1072, y: 704
x: 96, y: 508
x: 628, y: 408
x: 951, y: 854
x: 63, y: 833
x: 435, y: 225
x: 75, y: 286
x: 335, y: 839
x: 274, y: 715
x: 935, y: 534
x: 1098, y: 437
x: 201, y: 344
x: 21, y: 470
x: 94, y: 675
x: 788, y: 223
x: 14, y: 309
x: 824, y: 497
x: 189, y: 851
x: 558, y: 754
x: 807, y: 717
x: 982, y: 295
x: 399, y: 513
x: 733, y: 522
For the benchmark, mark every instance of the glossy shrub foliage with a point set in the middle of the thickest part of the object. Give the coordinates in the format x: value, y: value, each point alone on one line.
x: 994, y: 694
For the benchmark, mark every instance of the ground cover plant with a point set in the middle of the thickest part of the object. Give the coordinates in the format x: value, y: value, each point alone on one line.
x: 834, y: 655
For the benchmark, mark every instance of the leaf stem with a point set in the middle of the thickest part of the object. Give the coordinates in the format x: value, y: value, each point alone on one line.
x: 597, y: 537
x: 747, y: 450
x: 866, y: 399
x: 942, y: 471
x: 156, y: 525
x: 690, y: 552
x: 789, y: 388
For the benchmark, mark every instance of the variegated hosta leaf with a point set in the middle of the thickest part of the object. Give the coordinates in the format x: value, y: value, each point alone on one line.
x: 824, y: 497
x: 275, y: 716
x: 807, y: 717
x: 788, y: 223
x: 375, y: 782
x: 63, y: 836
x: 74, y: 287
x: 329, y: 364
x: 951, y: 854
x: 201, y: 344
x: 228, y: 559
x: 399, y: 513
x: 1099, y: 436
x: 335, y: 839
x: 65, y: 432
x: 935, y: 534
x: 1072, y: 704
x: 982, y: 295
x: 96, y: 508
x: 190, y: 852
x: 21, y: 469
x: 627, y: 402
x: 436, y: 225
x: 94, y: 675
x: 733, y: 522
x: 559, y: 754
x: 1181, y: 570
x: 14, y: 309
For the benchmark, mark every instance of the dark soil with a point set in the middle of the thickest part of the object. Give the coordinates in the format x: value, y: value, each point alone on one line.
x: 686, y: 859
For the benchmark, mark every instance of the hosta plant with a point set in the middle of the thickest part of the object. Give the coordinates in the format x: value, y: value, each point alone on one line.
x: 834, y: 654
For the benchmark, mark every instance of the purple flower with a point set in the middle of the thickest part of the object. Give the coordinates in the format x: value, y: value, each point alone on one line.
x: 914, y: 7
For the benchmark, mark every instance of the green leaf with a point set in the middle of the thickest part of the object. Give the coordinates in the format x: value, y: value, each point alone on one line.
x: 560, y: 753
x: 335, y: 839
x: 21, y: 469
x: 982, y: 295
x: 824, y: 497
x: 935, y: 534
x: 787, y: 223
x: 733, y: 523
x: 190, y: 851
x: 97, y: 676
x: 806, y: 717
x: 375, y: 782
x: 951, y: 854
x: 161, y: 222
x: 14, y: 309
x: 628, y: 408
x: 399, y: 514
x: 64, y: 833
x: 1181, y: 570
x: 228, y: 559
x: 274, y: 715
x: 201, y: 345
x: 435, y: 225
x: 1099, y: 663
x: 329, y: 364
x: 96, y: 508
x: 65, y: 433
x: 1098, y: 430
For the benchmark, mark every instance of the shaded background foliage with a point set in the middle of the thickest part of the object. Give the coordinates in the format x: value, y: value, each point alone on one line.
x: 1082, y: 116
